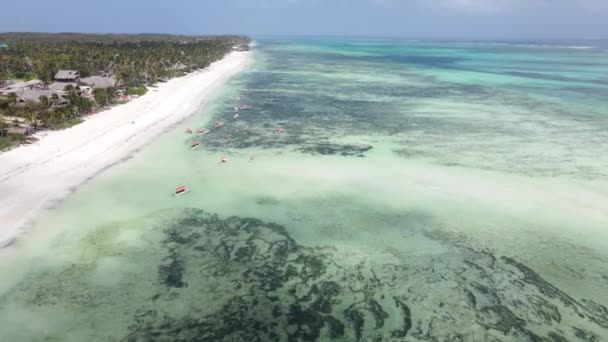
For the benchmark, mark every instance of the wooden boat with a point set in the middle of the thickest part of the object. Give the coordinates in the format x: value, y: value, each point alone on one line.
x: 181, y: 190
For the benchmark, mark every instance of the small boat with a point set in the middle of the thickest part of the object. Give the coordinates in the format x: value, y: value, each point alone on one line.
x: 218, y: 123
x: 202, y: 131
x: 245, y: 107
x: 224, y: 160
x: 180, y: 190
x: 236, y: 109
x: 280, y: 129
x: 195, y: 144
x: 252, y: 158
x: 188, y: 130
x: 236, y: 116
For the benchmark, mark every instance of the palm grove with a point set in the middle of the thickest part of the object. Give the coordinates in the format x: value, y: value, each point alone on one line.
x: 134, y: 61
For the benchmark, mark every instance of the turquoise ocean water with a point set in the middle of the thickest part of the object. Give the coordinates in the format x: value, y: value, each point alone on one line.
x: 420, y: 191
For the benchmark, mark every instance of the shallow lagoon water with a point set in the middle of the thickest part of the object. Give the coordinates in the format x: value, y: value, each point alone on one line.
x: 420, y: 191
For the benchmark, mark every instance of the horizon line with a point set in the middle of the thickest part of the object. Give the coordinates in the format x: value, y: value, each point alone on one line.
x: 328, y: 35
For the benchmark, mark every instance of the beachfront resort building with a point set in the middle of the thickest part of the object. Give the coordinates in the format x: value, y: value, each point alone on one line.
x: 31, y: 91
x: 67, y: 76
x: 100, y: 81
x: 34, y: 95
x: 241, y: 47
x: 19, y: 87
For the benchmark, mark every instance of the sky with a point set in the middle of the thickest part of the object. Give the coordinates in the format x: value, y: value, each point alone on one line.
x: 481, y: 19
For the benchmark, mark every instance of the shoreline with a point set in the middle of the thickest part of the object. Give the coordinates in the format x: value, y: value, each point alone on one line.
x: 35, y: 177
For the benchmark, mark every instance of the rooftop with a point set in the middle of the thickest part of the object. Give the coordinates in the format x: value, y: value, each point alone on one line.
x: 60, y: 86
x: 21, y: 84
x: 99, y: 81
x: 34, y: 95
x: 67, y: 75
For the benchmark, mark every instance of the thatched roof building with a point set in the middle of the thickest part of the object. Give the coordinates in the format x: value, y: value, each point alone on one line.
x: 67, y: 76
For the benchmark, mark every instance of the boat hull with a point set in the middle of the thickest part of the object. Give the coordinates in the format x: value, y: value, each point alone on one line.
x: 181, y: 193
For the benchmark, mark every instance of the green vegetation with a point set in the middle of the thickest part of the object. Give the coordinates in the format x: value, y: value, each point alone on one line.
x: 135, y: 61
x: 66, y: 124
x: 8, y: 139
x: 24, y: 75
x: 104, y: 96
x: 137, y: 91
x: 11, y: 140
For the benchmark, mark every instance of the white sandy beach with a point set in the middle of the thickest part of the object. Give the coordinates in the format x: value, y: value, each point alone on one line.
x: 34, y: 177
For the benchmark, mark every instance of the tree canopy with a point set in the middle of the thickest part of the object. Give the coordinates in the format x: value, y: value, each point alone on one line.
x: 132, y: 62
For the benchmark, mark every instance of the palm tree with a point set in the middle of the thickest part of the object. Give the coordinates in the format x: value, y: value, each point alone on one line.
x: 31, y: 117
x: 12, y: 98
x: 44, y: 101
